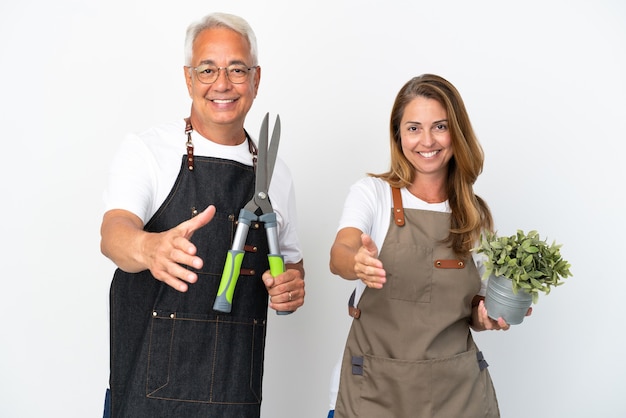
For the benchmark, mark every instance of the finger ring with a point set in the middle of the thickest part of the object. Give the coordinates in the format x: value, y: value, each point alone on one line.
x: 290, y: 297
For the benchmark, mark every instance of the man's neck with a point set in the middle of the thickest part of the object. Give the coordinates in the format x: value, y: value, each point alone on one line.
x: 220, y: 134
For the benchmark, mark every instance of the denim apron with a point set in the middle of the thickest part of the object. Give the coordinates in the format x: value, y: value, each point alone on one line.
x: 410, y: 352
x: 171, y: 354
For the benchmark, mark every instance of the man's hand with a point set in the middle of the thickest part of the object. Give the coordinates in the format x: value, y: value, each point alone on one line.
x: 132, y: 249
x: 166, y: 251
x: 287, y: 289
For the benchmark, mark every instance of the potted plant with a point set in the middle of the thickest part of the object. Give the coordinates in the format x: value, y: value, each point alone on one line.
x: 519, y: 267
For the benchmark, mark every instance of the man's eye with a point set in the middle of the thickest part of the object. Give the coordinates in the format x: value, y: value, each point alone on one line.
x: 206, y: 70
x: 238, y: 70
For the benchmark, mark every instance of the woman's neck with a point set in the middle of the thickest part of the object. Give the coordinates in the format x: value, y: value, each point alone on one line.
x: 429, y: 191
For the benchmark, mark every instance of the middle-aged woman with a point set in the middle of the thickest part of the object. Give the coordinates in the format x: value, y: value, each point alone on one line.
x: 406, y: 235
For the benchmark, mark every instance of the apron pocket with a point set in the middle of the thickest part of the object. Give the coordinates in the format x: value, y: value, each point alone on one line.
x: 461, y: 389
x: 392, y: 387
x: 412, y: 282
x: 198, y: 358
x: 448, y: 387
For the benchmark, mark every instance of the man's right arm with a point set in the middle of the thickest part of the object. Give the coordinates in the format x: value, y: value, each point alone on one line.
x: 132, y: 249
x: 121, y: 240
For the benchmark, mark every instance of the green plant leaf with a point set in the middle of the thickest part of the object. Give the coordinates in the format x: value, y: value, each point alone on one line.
x: 528, y: 261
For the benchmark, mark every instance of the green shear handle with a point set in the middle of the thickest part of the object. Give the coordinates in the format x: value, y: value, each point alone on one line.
x: 276, y: 260
x: 234, y: 257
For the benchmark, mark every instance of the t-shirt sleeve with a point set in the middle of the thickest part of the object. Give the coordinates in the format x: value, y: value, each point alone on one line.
x: 283, y: 196
x: 130, y: 180
x: 359, y: 209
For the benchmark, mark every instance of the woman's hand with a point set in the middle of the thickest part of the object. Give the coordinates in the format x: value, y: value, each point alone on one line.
x: 367, y: 266
x: 481, y: 320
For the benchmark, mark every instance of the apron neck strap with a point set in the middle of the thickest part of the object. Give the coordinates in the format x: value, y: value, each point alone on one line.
x: 190, y: 162
x: 398, y: 210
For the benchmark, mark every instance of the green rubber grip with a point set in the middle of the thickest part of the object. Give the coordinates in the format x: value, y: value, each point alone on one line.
x: 277, y: 266
x: 230, y: 275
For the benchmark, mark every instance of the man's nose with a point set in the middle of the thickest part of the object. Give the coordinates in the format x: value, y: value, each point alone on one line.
x: 222, y: 77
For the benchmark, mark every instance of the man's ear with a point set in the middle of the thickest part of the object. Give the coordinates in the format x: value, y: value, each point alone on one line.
x: 188, y: 79
x: 257, y: 79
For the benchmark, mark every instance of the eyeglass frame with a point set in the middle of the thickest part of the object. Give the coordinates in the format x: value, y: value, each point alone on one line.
x: 226, y: 69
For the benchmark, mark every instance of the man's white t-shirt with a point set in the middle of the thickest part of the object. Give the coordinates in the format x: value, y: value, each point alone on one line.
x: 147, y: 164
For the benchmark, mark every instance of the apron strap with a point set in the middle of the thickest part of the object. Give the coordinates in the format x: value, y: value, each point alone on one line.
x: 188, y: 130
x: 353, y: 311
x: 398, y: 210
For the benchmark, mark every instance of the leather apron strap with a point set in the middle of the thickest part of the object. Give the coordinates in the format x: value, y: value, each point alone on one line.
x: 398, y: 210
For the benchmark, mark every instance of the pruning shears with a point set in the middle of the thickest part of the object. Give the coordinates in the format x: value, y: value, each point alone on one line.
x: 260, y: 200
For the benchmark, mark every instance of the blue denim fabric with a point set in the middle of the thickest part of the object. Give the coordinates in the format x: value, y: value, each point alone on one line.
x: 171, y: 354
x: 107, y: 404
x: 331, y: 414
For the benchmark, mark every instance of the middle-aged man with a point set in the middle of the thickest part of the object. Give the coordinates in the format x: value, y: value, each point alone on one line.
x: 172, y: 203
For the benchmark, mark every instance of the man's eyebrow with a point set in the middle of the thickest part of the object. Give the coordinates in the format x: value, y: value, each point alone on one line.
x: 211, y: 62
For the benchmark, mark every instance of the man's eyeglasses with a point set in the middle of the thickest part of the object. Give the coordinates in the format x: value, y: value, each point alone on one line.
x: 236, y: 73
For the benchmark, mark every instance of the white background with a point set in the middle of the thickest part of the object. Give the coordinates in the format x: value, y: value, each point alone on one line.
x: 544, y: 85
